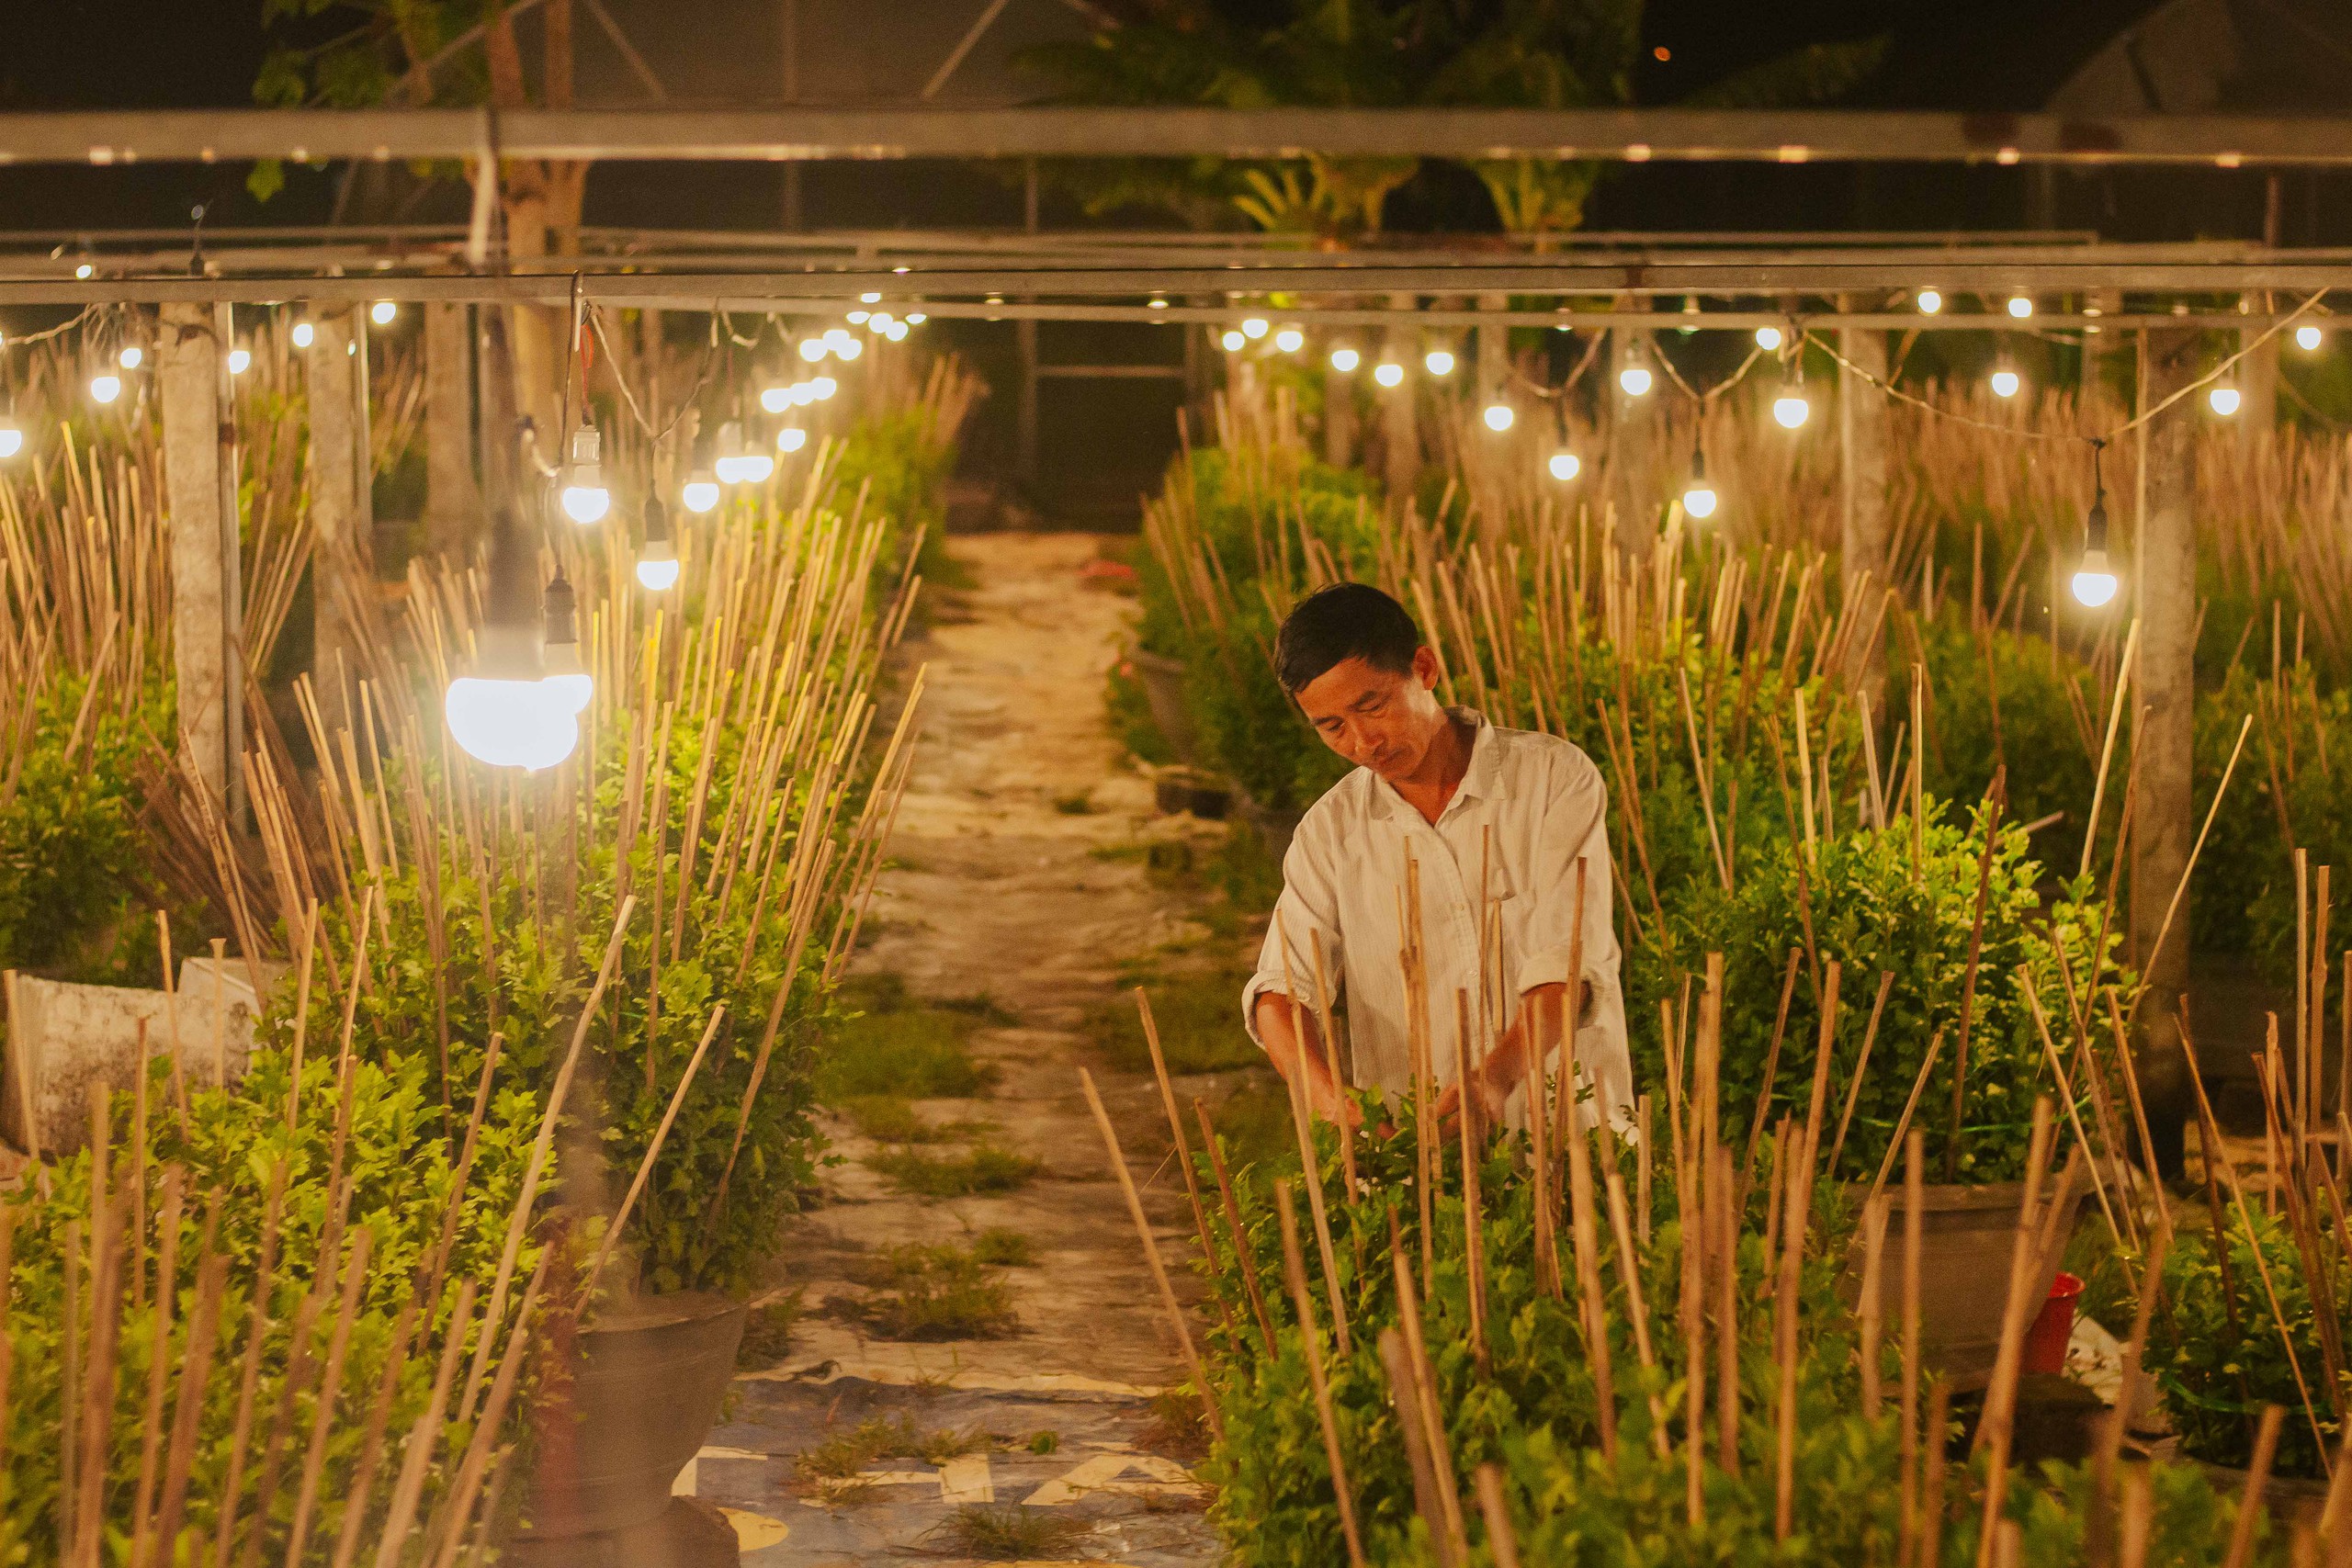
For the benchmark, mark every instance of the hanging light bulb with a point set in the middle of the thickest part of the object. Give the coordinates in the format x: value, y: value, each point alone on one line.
x: 585, y: 499
x: 1232, y: 340
x: 777, y: 399
x: 869, y: 298
x: 1437, y: 362
x: 1636, y: 379
x: 657, y: 563
x: 1499, y: 416
x: 1930, y: 301
x: 1768, y: 338
x: 859, y: 317
x: 2020, y: 305
x: 1290, y: 340
x: 567, y: 681
x: 1345, y: 359
x: 896, y: 332
x: 2308, y: 338
x: 2005, y: 380
x: 791, y: 438
x: 1791, y: 409
x: 2223, y: 399
x: 130, y: 355
x: 1565, y: 466
x: 1156, y: 302
x: 506, y: 712
x: 239, y: 361
x: 2095, y: 582
x: 728, y: 463
x: 12, y: 436
x: 84, y: 270
x: 1698, y: 498
x: 1689, y: 308
x: 700, y: 493
x: 813, y: 349
x: 1388, y: 373
x: 916, y: 318
x: 382, y: 311
x: 105, y: 388
x: 1254, y: 327
x: 824, y: 387
x: 303, y: 334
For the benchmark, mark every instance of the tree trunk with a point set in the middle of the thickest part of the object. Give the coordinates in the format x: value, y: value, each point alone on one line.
x: 1861, y: 438
x: 1400, y: 434
x: 1632, y: 438
x: 189, y: 377
x: 334, y: 477
x: 452, y: 502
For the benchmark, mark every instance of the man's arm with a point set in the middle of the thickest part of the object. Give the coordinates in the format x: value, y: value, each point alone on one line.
x: 1504, y: 1068
x: 1294, y: 1042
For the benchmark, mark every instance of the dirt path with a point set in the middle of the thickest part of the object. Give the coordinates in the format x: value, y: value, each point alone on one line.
x: 996, y: 892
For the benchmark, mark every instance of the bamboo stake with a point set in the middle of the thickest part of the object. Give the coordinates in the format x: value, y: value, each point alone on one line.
x: 2257, y: 1478
x: 1861, y: 1070
x: 1303, y: 1302
x: 1757, y: 1120
x: 1423, y: 1380
x: 1244, y: 1258
x: 1995, y: 795
x: 1872, y: 1306
x: 1992, y: 1430
x: 1309, y: 1162
x: 1500, y: 1541
x: 1176, y: 1127
x: 1584, y: 1233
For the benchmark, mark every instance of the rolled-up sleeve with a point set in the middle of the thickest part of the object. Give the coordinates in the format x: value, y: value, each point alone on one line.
x: 1307, y: 915
x: 1575, y: 826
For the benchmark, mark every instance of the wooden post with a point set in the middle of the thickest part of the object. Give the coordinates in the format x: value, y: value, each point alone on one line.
x: 1400, y: 430
x: 2098, y: 342
x: 335, y: 515
x: 190, y: 353
x: 2165, y: 562
x: 233, y: 564
x: 1861, y: 440
x: 1632, y: 436
x: 1024, y: 335
x: 2258, y: 375
x: 452, y: 502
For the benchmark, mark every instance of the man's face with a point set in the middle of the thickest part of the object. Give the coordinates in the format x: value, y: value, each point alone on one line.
x: 1375, y: 718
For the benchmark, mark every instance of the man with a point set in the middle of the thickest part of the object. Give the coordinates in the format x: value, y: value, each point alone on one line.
x: 1494, y: 819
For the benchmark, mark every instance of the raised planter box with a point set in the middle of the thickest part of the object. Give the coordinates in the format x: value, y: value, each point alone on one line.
x: 1966, y: 1234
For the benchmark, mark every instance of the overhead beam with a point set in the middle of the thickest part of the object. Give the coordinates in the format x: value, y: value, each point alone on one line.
x: 803, y: 134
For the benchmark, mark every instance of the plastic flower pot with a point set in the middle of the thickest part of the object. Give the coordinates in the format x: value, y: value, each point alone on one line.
x: 2053, y: 1326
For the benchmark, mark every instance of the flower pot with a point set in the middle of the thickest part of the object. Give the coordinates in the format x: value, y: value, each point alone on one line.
x: 2289, y: 1500
x: 1163, y: 689
x: 1203, y: 794
x: 645, y: 1390
x: 1965, y: 1237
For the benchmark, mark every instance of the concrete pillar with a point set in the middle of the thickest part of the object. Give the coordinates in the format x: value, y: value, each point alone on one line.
x: 1400, y: 433
x: 1632, y: 434
x: 452, y: 502
x: 189, y: 378
x: 334, y: 509
x: 2164, y: 564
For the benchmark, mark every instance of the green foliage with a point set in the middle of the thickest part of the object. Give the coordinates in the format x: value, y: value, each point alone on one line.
x: 1000, y: 1247
x: 1199, y: 1017
x: 982, y: 1169
x: 897, y: 1046
x: 1009, y: 1534
x: 895, y: 466
x: 2001, y: 702
x: 937, y: 1292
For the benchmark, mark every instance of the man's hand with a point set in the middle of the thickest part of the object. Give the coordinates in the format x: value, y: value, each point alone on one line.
x: 1293, y: 1044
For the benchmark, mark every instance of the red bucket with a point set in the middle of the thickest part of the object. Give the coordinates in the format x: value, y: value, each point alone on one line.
x: 2045, y: 1342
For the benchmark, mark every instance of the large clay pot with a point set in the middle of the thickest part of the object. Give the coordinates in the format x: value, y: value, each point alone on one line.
x: 645, y: 1392
x: 1965, y: 1237
x: 1163, y: 689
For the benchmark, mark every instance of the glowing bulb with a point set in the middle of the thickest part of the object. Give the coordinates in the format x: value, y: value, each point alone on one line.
x: 849, y: 347
x: 880, y: 322
x: 130, y: 355
x: 1498, y: 417
x: 382, y: 311
x: 512, y: 724
x: 1930, y: 301
x: 1790, y: 409
x: 916, y: 318
x: 1768, y: 337
x: 586, y: 503
x: 1344, y: 359
x: 84, y: 270
x: 1698, y: 501
x: 1388, y: 373
x: 1255, y: 327
x: 700, y: 493
x: 775, y: 400
x: 1156, y: 303
x: 791, y: 438
x: 869, y: 298
x: 2020, y: 305
x: 824, y: 387
x: 1565, y: 466
x: 105, y: 388
x: 1635, y: 380
x: 585, y: 499
x: 754, y: 468
x: 239, y: 361
x: 12, y: 440
x: 813, y: 349
x: 859, y: 317
x: 2004, y: 382
x: 566, y: 685
x: 1290, y: 340
x: 658, y: 575
x: 1437, y: 362
x: 837, y: 339
x: 2308, y: 339
x: 896, y: 332
x: 2223, y: 399
x: 2093, y: 582
x: 303, y: 334
x: 1232, y: 341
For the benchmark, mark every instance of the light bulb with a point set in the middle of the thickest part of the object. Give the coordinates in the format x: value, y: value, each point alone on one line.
x: 1930, y: 301
x: 869, y: 298
x: 896, y: 332
x: 1345, y: 359
x: 1232, y: 340
x: 1156, y: 303
x: 1290, y: 340
x: 700, y: 493
x: 657, y: 562
x: 880, y: 322
x: 303, y: 334
x: 130, y: 355
x: 1768, y: 337
x: 775, y: 400
x: 1690, y: 308
x: 838, y: 340
x: 1790, y: 409
x: 1565, y: 466
x: 824, y: 387
x: 754, y: 468
x: 858, y: 318
x: 239, y: 361
x: 84, y: 270
x: 658, y: 575
x: 729, y: 464
x: 1698, y: 501
x: 1255, y: 327
x: 849, y: 347
x: 1437, y: 362
x: 1498, y: 417
x: 916, y: 318
x: 12, y: 440
x: 1388, y: 373
x: 791, y: 438
x: 105, y: 388
x: 382, y: 311
x: 813, y: 349
x: 586, y: 503
x: 2308, y: 338
x: 1635, y: 380
x: 2223, y: 399
x: 2020, y: 305
x: 585, y: 499
x: 511, y: 723
x: 2004, y: 382
x: 2094, y: 581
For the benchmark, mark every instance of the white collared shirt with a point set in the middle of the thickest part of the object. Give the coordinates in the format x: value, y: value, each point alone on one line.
x: 1540, y: 803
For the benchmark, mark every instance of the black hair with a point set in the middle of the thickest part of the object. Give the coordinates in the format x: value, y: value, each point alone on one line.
x: 1338, y: 622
